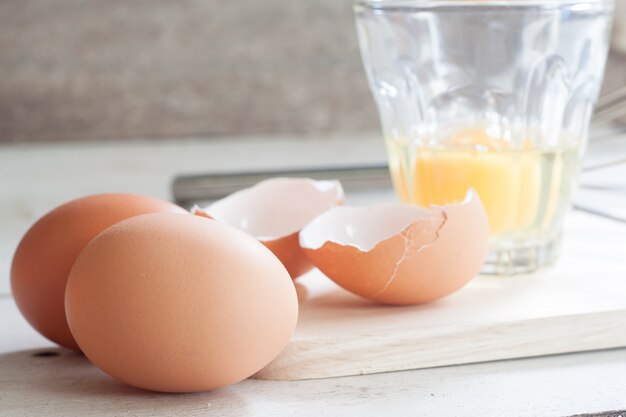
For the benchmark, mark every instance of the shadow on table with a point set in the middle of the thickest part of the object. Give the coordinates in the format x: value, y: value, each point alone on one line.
x: 62, y: 380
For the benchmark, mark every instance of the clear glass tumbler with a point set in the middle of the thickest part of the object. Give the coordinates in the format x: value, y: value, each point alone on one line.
x: 492, y: 95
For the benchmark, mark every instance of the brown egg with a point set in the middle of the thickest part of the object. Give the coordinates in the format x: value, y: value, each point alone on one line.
x: 400, y: 254
x: 274, y: 211
x: 178, y: 303
x: 46, y: 253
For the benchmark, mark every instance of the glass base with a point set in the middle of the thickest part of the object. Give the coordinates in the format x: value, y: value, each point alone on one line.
x: 522, y: 259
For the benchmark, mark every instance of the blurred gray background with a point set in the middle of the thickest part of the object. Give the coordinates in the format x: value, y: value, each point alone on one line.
x: 93, y: 69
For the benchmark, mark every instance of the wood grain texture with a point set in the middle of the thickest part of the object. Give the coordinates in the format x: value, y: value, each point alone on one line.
x: 578, y: 305
x: 74, y: 69
x: 39, y: 379
x: 89, y: 69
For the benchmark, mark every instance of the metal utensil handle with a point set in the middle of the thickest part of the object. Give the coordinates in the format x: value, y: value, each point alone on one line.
x: 212, y: 186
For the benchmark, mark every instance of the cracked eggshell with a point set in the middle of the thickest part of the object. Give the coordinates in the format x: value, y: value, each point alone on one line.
x: 274, y: 211
x: 400, y: 254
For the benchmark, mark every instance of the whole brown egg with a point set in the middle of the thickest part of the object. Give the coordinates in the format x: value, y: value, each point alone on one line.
x: 177, y: 303
x: 45, y: 255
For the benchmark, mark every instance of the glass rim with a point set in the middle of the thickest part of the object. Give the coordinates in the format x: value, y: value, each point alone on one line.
x: 466, y: 5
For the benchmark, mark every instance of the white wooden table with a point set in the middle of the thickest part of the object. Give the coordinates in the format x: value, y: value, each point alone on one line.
x: 37, y: 378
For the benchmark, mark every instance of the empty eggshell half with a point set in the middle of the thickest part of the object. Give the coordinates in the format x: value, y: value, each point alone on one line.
x: 274, y: 211
x: 400, y: 254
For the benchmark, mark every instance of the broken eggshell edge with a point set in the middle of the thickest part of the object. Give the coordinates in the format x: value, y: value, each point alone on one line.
x: 400, y: 254
x: 274, y: 211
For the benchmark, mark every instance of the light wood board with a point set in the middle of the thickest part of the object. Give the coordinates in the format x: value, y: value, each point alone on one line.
x: 577, y: 305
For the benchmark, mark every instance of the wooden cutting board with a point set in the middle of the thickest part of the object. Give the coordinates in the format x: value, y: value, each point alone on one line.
x: 577, y: 305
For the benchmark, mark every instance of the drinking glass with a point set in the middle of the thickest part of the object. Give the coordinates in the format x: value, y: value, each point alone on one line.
x: 491, y: 95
